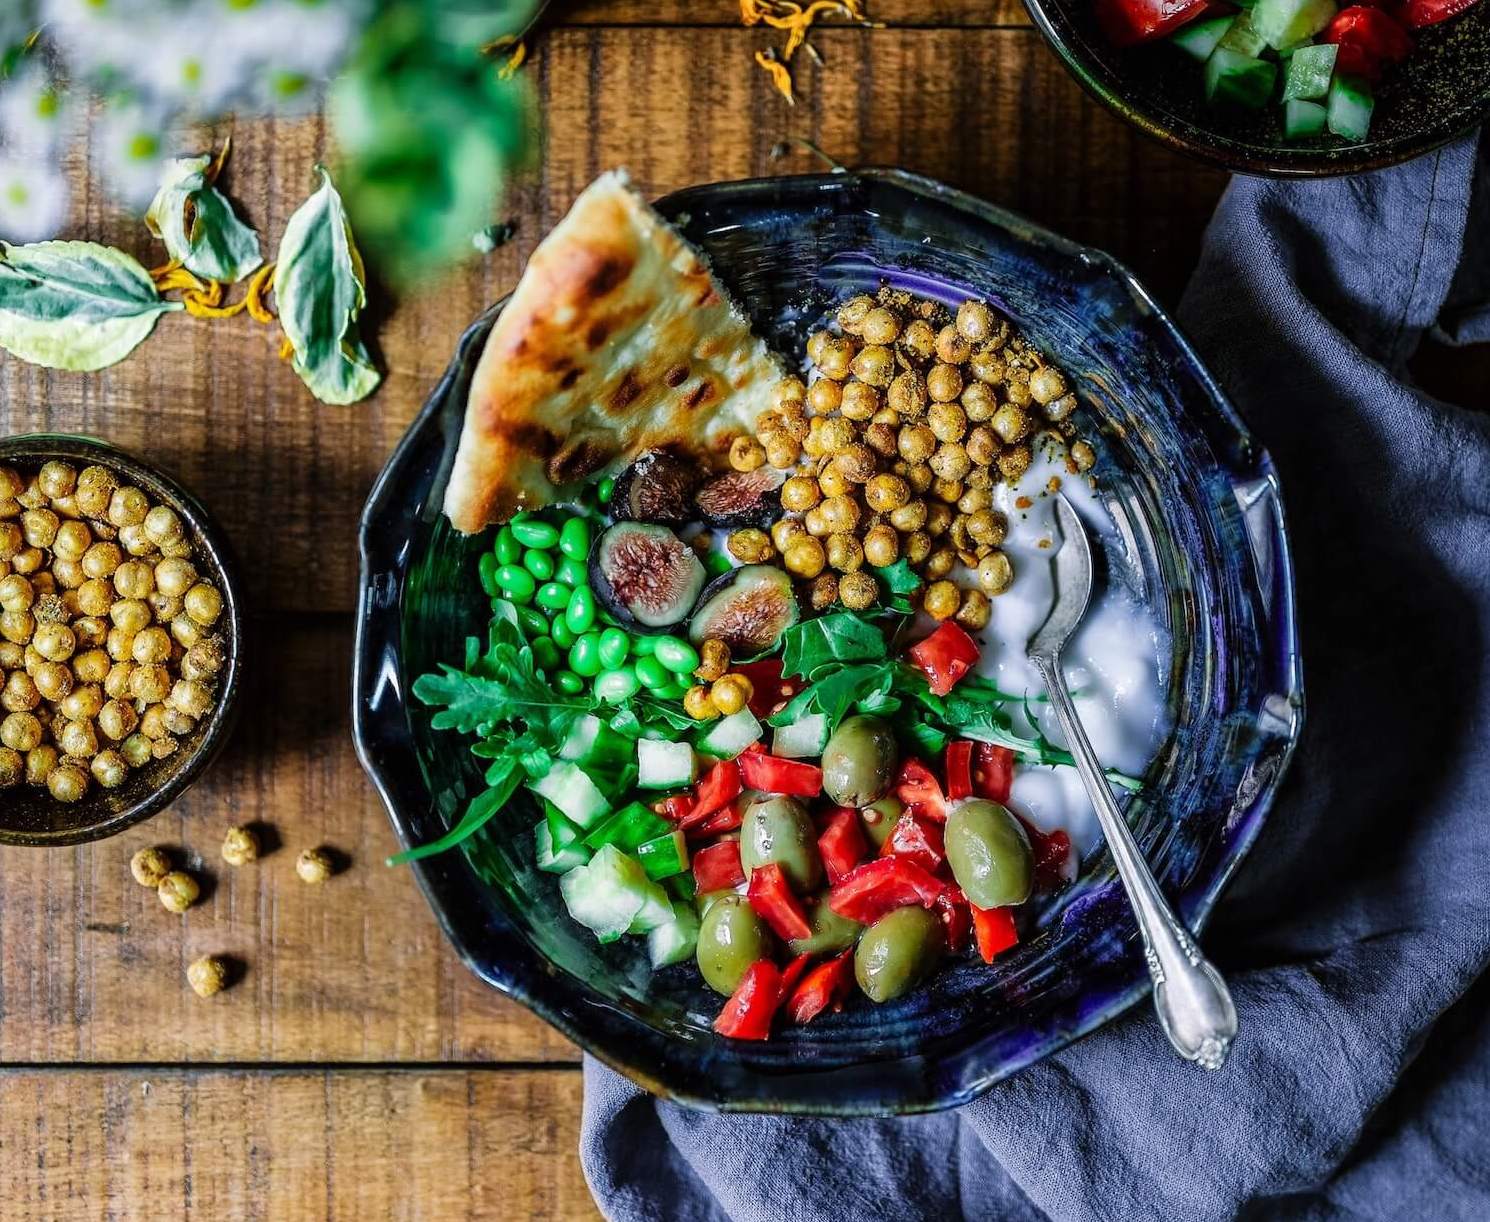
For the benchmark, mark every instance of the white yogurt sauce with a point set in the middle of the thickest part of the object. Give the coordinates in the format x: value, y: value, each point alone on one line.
x: 1112, y: 663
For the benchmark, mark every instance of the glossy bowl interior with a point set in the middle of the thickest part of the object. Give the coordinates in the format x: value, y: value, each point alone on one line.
x: 1441, y: 91
x: 1201, y: 537
x: 32, y: 817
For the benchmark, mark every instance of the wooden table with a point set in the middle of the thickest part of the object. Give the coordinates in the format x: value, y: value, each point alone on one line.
x: 358, y: 1069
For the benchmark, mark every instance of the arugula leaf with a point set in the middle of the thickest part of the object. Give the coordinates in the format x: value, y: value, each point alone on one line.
x: 504, y: 778
x: 198, y: 226
x: 844, y: 636
x: 319, y: 288
x: 75, y: 305
x: 899, y: 578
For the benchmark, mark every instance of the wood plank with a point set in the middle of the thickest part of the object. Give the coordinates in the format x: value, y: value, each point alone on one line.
x: 78, y: 1144
x: 91, y: 966
x: 989, y: 110
x: 896, y: 14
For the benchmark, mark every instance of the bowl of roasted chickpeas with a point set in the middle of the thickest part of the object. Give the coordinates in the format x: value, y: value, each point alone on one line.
x: 120, y: 640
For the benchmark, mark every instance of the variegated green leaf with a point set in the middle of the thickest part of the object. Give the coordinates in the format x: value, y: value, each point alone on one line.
x: 75, y: 305
x: 198, y: 225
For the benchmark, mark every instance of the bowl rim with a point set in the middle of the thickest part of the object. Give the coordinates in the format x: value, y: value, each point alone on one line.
x: 527, y: 976
x: 28, y: 448
x: 1219, y: 150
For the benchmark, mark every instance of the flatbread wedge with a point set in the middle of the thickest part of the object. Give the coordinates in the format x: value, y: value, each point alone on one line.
x: 617, y: 339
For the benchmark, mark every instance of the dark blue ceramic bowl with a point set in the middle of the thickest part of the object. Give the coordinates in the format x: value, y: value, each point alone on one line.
x: 1201, y: 522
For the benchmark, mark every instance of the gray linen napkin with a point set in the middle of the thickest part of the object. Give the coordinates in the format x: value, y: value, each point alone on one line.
x: 1357, y: 937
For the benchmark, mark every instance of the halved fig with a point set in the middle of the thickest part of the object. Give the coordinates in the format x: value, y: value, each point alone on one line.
x: 741, y: 498
x: 645, y: 575
x: 657, y: 487
x: 748, y: 609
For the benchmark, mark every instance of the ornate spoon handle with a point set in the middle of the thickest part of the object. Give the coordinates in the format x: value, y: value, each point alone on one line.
x: 1192, y: 1000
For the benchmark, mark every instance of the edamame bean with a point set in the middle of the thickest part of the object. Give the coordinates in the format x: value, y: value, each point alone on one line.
x: 617, y: 685
x: 717, y: 564
x: 572, y: 573
x: 532, y: 623
x: 580, y: 614
x: 605, y: 490
x: 552, y: 596
x: 540, y: 564
x: 507, y: 550
x: 584, y: 658
x: 643, y: 646
x: 564, y: 636
x: 546, y: 654
x: 487, y: 568
x: 569, y: 683
x: 534, y: 532
x: 517, y: 582
x: 653, y: 673
x: 574, y: 539
x: 677, y: 655
x: 614, y: 646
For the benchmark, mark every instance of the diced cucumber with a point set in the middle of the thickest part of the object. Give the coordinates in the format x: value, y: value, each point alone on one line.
x: 664, y: 765
x: 805, y: 738
x: 1233, y: 77
x: 664, y: 856
x: 1349, y: 107
x: 1309, y: 72
x: 593, y: 744
x: 629, y: 827
x: 728, y: 736
x: 555, y: 856
x: 1242, y: 37
x: 1282, y: 23
x: 683, y: 887
x: 675, y: 940
x: 571, y: 790
x: 611, y: 894
x: 1302, y: 119
x: 1199, y: 38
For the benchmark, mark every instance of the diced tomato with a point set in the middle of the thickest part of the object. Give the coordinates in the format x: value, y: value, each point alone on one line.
x: 1415, y: 14
x: 792, y: 974
x: 842, y: 845
x: 1050, y: 851
x: 720, y: 786
x: 718, y: 867
x: 826, y: 985
x: 675, y: 807
x: 945, y: 656
x: 747, y: 1014
x: 773, y: 901
x: 1128, y: 22
x: 994, y: 930
x: 772, y: 774
x: 956, y: 916
x: 882, y: 885
x: 993, y: 771
x: 726, y: 819
x: 1369, y: 40
x: 916, y: 838
x: 769, y: 689
x: 917, y: 788
x: 959, y: 769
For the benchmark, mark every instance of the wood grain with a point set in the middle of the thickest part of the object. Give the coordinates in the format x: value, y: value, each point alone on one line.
x: 987, y: 109
x: 896, y: 14
x: 92, y: 967
x: 288, y: 1145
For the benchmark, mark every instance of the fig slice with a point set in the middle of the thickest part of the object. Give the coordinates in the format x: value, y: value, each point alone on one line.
x: 657, y: 487
x: 748, y: 609
x: 741, y: 498
x: 645, y: 575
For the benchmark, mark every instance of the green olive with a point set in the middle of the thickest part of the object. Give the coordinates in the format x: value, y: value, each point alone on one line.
x: 779, y: 830
x: 704, y: 900
x: 879, y: 819
x: 830, y: 932
x: 730, y: 938
x: 989, y: 854
x: 859, y: 762
x: 896, y: 952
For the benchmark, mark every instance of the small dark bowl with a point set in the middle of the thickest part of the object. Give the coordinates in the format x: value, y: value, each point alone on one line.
x: 33, y: 817
x: 1200, y: 520
x: 1441, y: 91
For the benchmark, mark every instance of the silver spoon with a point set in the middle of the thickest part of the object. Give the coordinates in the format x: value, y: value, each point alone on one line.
x: 1194, y: 1005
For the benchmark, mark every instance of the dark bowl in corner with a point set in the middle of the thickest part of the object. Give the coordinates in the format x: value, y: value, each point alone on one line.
x: 33, y: 817
x: 1441, y: 91
x: 1198, y: 505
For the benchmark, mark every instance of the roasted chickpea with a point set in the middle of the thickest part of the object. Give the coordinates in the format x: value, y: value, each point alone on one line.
x: 1061, y: 408
x: 979, y: 402
x: 178, y: 891
x: 880, y: 437
x: 16, y: 593
x: 938, y: 519
x: 881, y: 546
x: 974, y: 321
x: 136, y: 750
x: 12, y: 767
x: 39, y: 526
x: 53, y: 680
x: 163, y: 747
x: 941, y: 600
x: 782, y: 452
x: 95, y: 597
x: 745, y: 454
x: 151, y: 646
x: 824, y: 396
x: 799, y: 493
x: 128, y: 507
x: 130, y: 615
x: 240, y: 846
x: 187, y: 631
x: 988, y: 365
x: 940, y: 563
x: 28, y: 561
x: 748, y: 546
x: 974, y: 500
x: 39, y: 764
x: 698, y: 704
x: 948, y: 421
x: 1011, y: 423
x: 982, y: 446
x: 314, y: 866
x: 857, y: 591
x: 944, y: 383
x: 102, y: 559
x: 917, y: 443
x: 856, y: 463
x: 134, y: 579
x: 19, y: 695
x: 72, y: 542
x: 109, y: 769
x: 82, y: 703
x: 951, y: 347
x: 885, y: 493
x: 859, y: 400
x: 917, y: 344
x: 12, y: 541
x: 814, y: 524
x: 782, y: 533
x: 1083, y: 457
x: 794, y: 421
x: 908, y: 394
x: 950, y: 462
x: 21, y: 732
x: 852, y: 313
x: 12, y: 656
x: 995, y: 573
x: 730, y: 693
x: 1014, y: 462
x: 119, y: 644
x: 824, y: 591
x: 836, y: 434
x: 1018, y: 393
x: 875, y: 364
x: 136, y: 542
x: 77, y: 739
x: 207, y: 976
x: 17, y: 626
x: 987, y: 527
x: 812, y: 445
x: 116, y: 682
x: 713, y: 660
x: 805, y: 557
x: 55, y: 642
x: 917, y: 547
x: 840, y: 513
x: 1047, y: 384
x: 910, y: 516
x: 118, y: 720
x: 68, y: 574
x: 845, y: 553
x: 974, y: 611
x: 957, y: 534
x: 151, y: 683
x: 178, y: 723
x: 94, y: 488
x: 835, y: 357
x: 163, y: 525
x: 11, y: 483
x: 204, y: 603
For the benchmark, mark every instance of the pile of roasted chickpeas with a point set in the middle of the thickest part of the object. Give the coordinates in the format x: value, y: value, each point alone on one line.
x: 108, y: 654
x: 911, y: 418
